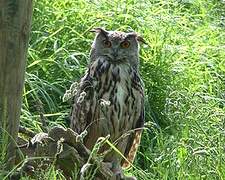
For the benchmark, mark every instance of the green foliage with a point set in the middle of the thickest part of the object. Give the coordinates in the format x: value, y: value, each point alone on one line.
x: 183, y: 68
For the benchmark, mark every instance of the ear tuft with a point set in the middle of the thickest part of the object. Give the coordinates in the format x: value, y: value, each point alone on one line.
x: 100, y: 30
x: 138, y: 37
x: 141, y: 39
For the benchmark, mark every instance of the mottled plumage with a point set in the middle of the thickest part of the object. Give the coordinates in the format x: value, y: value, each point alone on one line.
x: 110, y: 96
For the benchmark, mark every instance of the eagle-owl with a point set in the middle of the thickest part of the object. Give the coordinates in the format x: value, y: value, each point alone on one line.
x: 110, y: 96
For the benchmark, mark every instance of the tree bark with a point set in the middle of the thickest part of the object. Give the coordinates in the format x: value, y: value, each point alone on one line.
x: 15, y: 20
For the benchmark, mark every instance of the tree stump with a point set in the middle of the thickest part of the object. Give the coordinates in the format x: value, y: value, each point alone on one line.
x: 15, y: 20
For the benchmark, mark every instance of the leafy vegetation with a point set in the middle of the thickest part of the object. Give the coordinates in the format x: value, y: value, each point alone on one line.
x: 183, y: 68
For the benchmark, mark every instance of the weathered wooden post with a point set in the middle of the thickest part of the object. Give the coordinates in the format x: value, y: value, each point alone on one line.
x: 15, y: 20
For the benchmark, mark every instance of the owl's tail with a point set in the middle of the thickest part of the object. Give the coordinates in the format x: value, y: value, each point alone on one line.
x: 133, y: 150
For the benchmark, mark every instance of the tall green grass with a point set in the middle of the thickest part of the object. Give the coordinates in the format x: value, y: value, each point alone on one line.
x: 183, y: 68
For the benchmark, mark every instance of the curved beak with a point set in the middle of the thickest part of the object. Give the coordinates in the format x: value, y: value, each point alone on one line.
x: 115, y: 53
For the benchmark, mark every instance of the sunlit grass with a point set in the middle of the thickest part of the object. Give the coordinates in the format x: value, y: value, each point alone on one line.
x: 183, y: 68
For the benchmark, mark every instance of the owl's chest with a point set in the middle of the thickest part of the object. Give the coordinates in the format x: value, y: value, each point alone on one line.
x: 117, y: 98
x: 112, y: 83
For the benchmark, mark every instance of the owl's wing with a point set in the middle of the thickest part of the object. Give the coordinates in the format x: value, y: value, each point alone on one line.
x: 134, y: 141
x: 81, y: 115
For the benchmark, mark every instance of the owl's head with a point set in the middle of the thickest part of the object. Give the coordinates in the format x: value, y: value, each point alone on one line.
x: 116, y: 47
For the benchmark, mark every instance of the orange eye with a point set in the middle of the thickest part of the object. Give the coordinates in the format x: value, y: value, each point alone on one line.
x: 107, y: 43
x: 125, y: 44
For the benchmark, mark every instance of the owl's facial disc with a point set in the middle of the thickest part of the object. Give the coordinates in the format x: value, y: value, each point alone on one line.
x: 116, y: 50
x: 116, y: 47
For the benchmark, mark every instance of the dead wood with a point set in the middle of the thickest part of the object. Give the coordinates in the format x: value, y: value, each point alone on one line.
x: 64, y: 149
